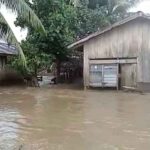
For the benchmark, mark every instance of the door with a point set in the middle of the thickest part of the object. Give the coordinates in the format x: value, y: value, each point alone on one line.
x: 104, y: 75
x: 129, y: 75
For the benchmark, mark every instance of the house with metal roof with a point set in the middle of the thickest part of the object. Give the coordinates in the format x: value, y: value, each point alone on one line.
x: 5, y: 51
x: 118, y: 56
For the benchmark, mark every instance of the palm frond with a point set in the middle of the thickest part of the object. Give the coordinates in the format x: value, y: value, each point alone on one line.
x: 75, y: 3
x: 7, y: 34
x: 21, y: 7
x: 122, y: 5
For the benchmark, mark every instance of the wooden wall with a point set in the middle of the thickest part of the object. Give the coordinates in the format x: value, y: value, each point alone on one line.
x: 129, y: 40
x: 2, y: 62
x: 129, y: 75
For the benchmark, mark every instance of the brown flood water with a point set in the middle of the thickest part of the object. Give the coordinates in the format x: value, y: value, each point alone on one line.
x: 65, y: 119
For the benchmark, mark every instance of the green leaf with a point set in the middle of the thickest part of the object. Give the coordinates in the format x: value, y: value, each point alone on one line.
x: 26, y: 13
x: 7, y: 34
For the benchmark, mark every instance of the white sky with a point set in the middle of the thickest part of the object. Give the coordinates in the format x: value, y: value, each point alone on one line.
x: 10, y: 17
x: 143, y: 6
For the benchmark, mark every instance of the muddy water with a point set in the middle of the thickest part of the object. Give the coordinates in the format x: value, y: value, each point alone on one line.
x: 45, y: 119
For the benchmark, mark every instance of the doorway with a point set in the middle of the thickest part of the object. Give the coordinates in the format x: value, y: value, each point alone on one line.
x: 128, y: 75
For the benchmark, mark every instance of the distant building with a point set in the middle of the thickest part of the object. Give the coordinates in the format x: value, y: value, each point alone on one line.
x: 118, y: 56
x: 5, y: 51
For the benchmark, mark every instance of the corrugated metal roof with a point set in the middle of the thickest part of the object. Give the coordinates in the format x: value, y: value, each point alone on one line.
x: 7, y: 49
x: 82, y: 41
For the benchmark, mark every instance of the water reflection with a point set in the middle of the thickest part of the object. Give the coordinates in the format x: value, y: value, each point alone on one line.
x: 8, y: 128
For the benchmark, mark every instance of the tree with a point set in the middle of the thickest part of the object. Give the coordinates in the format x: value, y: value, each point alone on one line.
x: 25, y: 12
x: 36, y: 60
x: 94, y: 15
x: 59, y: 20
x: 98, y: 3
x: 68, y: 20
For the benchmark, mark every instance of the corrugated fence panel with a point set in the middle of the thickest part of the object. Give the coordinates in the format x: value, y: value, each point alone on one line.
x: 103, y: 75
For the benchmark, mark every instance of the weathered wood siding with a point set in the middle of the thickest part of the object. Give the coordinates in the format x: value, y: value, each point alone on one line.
x: 129, y: 75
x: 129, y: 40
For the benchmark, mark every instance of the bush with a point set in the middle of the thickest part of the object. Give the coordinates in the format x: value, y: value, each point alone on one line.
x: 11, y: 78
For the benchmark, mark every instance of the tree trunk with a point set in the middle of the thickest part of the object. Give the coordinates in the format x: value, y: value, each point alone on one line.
x: 58, y: 67
x: 34, y: 78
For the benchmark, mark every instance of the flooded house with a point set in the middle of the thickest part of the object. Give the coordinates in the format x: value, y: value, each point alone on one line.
x: 118, y: 56
x: 6, y: 50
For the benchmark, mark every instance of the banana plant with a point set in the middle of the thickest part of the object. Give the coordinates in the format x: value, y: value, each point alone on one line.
x: 22, y: 9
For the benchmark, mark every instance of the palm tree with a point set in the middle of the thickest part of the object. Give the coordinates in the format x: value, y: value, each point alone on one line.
x: 112, y: 5
x: 26, y: 13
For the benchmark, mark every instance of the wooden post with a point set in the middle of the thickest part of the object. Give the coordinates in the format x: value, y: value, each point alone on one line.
x: 85, y: 88
x: 118, y: 76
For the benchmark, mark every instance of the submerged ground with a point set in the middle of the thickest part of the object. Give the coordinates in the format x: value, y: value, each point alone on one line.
x: 69, y: 119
